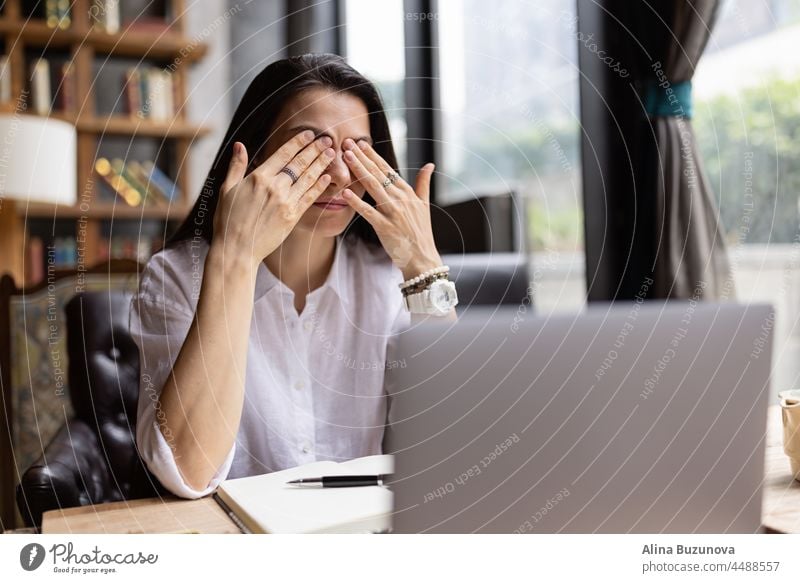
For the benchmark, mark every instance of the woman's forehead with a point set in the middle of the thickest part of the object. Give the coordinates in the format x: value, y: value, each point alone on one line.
x: 326, y: 111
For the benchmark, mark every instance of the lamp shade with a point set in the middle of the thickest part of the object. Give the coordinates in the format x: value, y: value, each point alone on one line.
x: 38, y: 159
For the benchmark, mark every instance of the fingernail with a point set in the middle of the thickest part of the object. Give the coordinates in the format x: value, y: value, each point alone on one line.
x: 308, y: 135
x: 347, y: 193
x: 329, y: 153
x: 326, y: 141
x: 349, y: 156
x: 363, y: 144
x: 348, y: 144
x: 236, y: 148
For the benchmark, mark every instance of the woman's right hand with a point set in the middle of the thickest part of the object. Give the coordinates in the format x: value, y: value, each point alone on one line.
x: 256, y: 213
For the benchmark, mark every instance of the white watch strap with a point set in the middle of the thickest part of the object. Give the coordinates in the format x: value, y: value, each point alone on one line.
x: 419, y: 302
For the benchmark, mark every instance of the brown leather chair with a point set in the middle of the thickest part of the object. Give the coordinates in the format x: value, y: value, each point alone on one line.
x: 93, y: 458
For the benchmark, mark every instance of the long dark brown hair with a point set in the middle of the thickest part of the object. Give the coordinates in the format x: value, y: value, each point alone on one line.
x: 254, y: 121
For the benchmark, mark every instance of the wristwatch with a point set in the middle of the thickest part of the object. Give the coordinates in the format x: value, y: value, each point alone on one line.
x: 437, y: 299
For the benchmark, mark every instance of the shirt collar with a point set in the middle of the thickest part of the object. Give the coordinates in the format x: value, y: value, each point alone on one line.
x: 338, y: 279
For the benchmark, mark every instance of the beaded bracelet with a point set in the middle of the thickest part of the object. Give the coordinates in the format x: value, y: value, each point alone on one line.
x: 421, y: 276
x: 418, y: 287
x: 424, y: 277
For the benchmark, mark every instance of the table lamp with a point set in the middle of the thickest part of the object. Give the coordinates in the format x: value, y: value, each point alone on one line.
x: 38, y: 163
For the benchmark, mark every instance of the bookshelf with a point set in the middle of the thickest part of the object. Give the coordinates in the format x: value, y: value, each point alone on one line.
x: 90, y: 52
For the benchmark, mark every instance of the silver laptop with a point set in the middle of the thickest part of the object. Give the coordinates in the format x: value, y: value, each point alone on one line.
x: 645, y: 418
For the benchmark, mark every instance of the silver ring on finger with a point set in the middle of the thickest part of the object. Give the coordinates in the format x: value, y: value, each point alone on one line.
x: 392, y: 176
x: 290, y: 173
x: 386, y: 182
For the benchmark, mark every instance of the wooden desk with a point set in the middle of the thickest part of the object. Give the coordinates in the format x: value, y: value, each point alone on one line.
x: 780, y: 512
x: 149, y: 516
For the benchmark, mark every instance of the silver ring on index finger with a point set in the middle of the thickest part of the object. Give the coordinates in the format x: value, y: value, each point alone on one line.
x: 391, y: 177
x: 290, y: 173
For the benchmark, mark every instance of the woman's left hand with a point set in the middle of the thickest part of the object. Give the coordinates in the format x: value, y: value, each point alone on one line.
x: 402, y: 215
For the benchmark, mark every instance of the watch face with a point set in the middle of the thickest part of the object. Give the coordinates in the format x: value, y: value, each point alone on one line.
x: 443, y: 295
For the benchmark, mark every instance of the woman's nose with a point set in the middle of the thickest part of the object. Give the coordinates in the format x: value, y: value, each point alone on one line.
x: 339, y: 170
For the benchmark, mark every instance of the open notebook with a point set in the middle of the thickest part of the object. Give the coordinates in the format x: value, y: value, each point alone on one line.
x: 266, y: 504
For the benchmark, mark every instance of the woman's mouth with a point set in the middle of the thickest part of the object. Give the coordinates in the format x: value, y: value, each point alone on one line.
x: 331, y: 204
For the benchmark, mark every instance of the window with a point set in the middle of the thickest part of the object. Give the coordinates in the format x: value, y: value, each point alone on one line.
x: 747, y: 123
x: 510, y: 122
x: 376, y: 49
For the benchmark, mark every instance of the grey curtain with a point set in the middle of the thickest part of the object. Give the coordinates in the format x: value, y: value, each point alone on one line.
x: 691, y: 258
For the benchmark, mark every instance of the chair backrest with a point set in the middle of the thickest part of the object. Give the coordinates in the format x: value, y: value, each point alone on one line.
x: 104, y: 378
x: 489, y: 278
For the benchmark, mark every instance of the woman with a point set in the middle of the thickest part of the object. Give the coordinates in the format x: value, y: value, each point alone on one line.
x: 263, y: 326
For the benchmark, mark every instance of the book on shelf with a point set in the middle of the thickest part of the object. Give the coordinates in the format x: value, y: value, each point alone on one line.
x: 149, y: 93
x: 65, y: 87
x: 41, y: 94
x: 63, y: 18
x: 34, y: 261
x: 140, y: 175
x: 136, y: 182
x: 118, y: 184
x: 5, y: 79
x: 140, y: 248
x: 45, y: 79
x: 56, y: 13
x: 149, y: 194
x: 162, y: 181
x: 131, y: 87
x: 105, y: 15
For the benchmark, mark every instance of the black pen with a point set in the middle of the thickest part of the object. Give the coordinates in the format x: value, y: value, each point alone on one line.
x: 341, y: 481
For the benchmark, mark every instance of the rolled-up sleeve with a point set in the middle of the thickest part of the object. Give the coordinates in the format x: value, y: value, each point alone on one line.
x: 160, y: 318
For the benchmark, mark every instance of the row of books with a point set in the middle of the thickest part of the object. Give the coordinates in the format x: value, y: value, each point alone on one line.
x: 137, y: 183
x: 62, y: 253
x: 42, y: 84
x: 150, y: 93
x: 104, y: 14
x: 56, y: 13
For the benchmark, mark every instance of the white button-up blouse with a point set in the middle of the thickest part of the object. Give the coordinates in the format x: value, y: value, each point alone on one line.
x: 314, y: 381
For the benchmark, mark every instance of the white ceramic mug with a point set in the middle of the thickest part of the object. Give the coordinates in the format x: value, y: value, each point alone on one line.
x: 790, y: 411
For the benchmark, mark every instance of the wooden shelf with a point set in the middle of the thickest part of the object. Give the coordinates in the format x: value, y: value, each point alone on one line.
x: 36, y: 32
x: 131, y: 43
x: 101, y: 210
x: 130, y: 126
x: 121, y: 125
x: 104, y: 210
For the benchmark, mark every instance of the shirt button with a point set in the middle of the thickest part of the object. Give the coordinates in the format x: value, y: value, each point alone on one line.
x: 299, y: 385
x: 307, y: 325
x: 306, y: 448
